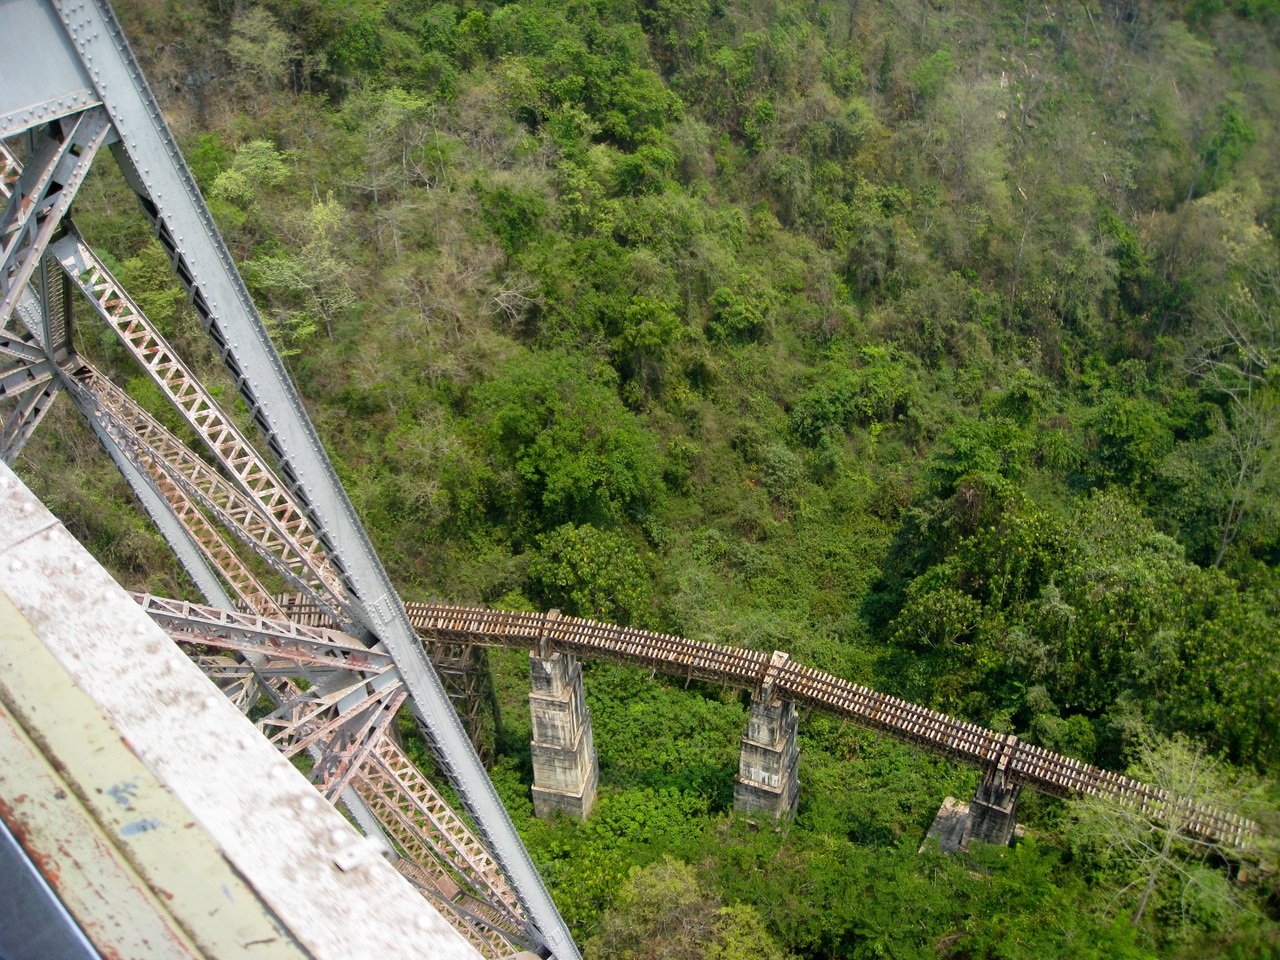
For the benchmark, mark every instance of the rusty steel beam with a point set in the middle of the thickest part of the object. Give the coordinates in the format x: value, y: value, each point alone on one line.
x: 197, y: 406
x: 150, y: 440
x: 342, y: 719
x: 422, y: 821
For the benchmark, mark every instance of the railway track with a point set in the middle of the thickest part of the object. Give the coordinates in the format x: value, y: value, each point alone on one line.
x: 1019, y: 762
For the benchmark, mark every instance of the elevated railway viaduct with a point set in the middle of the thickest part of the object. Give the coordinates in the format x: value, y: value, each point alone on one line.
x: 336, y: 662
x: 1003, y: 759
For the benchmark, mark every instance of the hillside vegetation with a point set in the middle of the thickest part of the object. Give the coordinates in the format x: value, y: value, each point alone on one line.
x: 934, y: 343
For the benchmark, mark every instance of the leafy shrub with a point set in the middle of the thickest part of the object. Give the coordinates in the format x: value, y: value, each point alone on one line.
x: 742, y: 312
x: 588, y: 572
x: 572, y: 451
x: 515, y: 217
x: 876, y: 393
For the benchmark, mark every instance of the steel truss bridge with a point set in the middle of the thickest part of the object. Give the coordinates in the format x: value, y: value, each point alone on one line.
x: 339, y: 657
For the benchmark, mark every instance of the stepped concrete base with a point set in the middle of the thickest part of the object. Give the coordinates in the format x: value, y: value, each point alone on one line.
x: 993, y: 813
x: 991, y: 817
x: 565, y: 770
x: 767, y: 781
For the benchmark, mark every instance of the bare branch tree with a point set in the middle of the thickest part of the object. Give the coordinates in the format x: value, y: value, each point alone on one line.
x: 1238, y: 359
x: 1143, y: 846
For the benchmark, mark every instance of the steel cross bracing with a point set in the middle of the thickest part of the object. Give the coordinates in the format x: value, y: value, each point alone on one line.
x: 84, y: 90
x: 17, y: 428
x: 302, y: 720
x: 23, y: 420
x: 161, y: 452
x: 1016, y: 760
x: 41, y: 197
x: 422, y: 824
x: 344, y: 715
x: 190, y: 397
x: 123, y: 426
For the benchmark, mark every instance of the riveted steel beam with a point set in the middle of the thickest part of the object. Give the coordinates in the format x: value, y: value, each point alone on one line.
x: 24, y: 418
x: 42, y: 196
x: 155, y: 168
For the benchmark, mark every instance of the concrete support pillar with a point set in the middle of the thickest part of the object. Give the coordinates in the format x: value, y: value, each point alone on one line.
x: 565, y: 770
x: 767, y: 780
x: 993, y: 812
x: 991, y: 817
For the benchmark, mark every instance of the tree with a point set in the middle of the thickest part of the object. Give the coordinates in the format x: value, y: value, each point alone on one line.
x: 310, y: 287
x: 663, y: 912
x: 1145, y: 851
x: 1238, y: 360
x: 588, y: 572
x: 571, y: 450
x: 1224, y: 145
x: 262, y: 52
x: 514, y: 216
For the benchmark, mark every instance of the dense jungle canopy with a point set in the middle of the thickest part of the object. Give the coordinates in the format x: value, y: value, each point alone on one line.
x: 934, y: 342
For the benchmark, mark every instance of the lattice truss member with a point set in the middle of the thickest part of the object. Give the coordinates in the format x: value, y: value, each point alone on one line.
x: 234, y: 514
x: 321, y: 695
x: 341, y: 715
x: 342, y: 718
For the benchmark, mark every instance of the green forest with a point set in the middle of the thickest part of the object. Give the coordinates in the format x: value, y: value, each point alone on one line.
x: 933, y: 342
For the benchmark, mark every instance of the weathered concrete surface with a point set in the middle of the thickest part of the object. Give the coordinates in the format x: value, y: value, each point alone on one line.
x: 565, y: 769
x: 991, y: 817
x: 994, y: 811
x: 268, y: 824
x: 767, y: 780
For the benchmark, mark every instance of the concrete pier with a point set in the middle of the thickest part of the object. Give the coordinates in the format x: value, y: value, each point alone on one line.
x: 991, y: 817
x: 565, y: 770
x: 993, y: 812
x: 767, y: 781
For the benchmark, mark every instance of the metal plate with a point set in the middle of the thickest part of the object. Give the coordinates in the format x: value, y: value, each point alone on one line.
x: 41, y: 77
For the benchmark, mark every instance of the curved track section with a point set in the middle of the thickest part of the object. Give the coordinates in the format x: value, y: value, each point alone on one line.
x: 1019, y: 762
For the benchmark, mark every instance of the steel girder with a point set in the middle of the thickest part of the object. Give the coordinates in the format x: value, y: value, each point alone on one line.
x: 342, y: 718
x: 24, y: 419
x: 154, y: 447
x: 158, y: 173
x: 96, y: 94
x: 247, y: 468
x: 39, y: 200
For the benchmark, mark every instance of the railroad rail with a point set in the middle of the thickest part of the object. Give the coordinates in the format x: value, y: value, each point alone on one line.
x: 778, y: 676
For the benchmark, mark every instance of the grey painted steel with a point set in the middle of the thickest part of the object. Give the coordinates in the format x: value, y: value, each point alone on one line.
x: 23, y: 421
x: 174, y: 533
x: 20, y: 345
x: 41, y: 76
x: 18, y: 378
x: 55, y: 309
x: 35, y: 209
x: 365, y: 819
x: 155, y: 167
x: 33, y: 405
